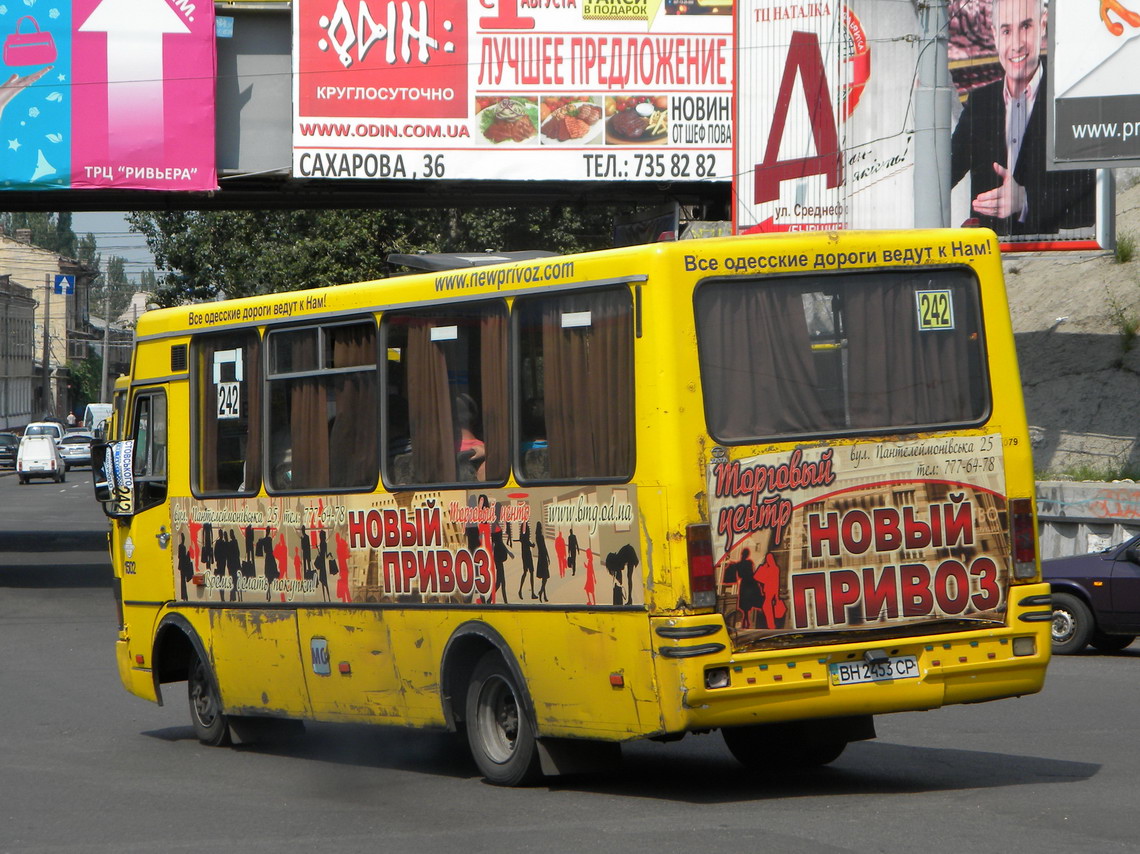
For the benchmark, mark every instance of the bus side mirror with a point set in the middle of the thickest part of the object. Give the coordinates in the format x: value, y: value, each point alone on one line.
x: 113, y: 479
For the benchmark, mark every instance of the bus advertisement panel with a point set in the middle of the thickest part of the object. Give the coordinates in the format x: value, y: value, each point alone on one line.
x: 581, y: 91
x: 488, y: 547
x: 861, y: 537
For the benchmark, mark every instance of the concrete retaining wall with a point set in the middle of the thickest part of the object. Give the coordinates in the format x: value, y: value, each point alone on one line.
x: 1077, y: 518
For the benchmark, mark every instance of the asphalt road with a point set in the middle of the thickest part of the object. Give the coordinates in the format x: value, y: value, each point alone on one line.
x: 86, y: 767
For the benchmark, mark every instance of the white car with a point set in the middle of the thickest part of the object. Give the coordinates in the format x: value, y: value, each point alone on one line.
x: 45, y: 428
x: 38, y: 456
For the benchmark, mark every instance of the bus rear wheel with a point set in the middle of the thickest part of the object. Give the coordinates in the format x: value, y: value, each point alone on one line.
x: 210, y: 724
x: 773, y: 748
x: 499, y: 732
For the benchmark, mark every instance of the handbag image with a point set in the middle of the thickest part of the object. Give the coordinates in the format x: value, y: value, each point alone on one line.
x: 29, y: 48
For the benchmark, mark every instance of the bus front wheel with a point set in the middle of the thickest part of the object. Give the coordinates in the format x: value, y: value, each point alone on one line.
x: 210, y: 724
x: 499, y: 732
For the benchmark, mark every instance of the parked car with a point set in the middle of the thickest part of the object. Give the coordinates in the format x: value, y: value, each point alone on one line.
x: 45, y: 428
x: 38, y: 456
x: 75, y: 448
x: 1096, y: 598
x: 9, y: 442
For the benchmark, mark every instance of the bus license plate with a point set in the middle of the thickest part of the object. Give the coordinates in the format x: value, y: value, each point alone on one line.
x: 854, y: 672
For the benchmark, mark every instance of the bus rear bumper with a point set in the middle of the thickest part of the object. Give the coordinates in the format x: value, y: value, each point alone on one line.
x: 719, y: 687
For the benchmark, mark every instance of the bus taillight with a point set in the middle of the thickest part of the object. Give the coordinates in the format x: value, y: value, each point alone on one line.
x: 1024, y: 547
x: 702, y: 581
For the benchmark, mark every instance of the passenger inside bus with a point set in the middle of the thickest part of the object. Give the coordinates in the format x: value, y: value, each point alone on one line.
x: 472, y: 450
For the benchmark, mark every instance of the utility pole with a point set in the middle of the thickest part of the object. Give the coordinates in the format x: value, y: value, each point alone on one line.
x: 103, y: 398
x: 46, y: 388
x: 933, y: 98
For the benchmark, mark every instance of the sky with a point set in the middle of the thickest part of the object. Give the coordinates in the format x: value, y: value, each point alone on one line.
x: 114, y: 237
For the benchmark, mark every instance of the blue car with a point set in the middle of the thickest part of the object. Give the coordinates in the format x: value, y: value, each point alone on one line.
x: 1096, y: 598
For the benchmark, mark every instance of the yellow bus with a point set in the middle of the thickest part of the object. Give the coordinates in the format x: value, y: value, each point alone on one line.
x: 773, y: 486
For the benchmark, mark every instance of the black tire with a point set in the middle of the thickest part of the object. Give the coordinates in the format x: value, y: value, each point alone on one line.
x: 769, y: 749
x: 210, y: 724
x: 1073, y: 624
x: 499, y: 731
x: 1111, y: 643
x: 23, y: 480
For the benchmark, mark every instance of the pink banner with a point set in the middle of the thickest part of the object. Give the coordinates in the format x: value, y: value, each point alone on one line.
x: 143, y: 95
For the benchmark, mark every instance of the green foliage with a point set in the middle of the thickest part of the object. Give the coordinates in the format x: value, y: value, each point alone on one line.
x: 207, y: 255
x: 111, y: 293
x: 87, y: 377
x: 87, y: 252
x: 1125, y: 248
x: 1126, y: 321
x: 1106, y: 473
x: 51, y: 231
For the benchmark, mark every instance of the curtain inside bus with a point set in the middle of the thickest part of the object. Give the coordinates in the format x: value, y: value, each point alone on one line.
x: 448, y: 371
x: 901, y: 374
x: 846, y: 352
x: 586, y: 400
x: 323, y: 410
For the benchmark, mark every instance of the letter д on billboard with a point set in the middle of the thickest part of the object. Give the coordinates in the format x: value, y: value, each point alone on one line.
x: 823, y: 122
x: 578, y: 90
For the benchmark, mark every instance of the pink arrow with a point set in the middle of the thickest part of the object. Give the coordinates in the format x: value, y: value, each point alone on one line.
x: 135, y: 83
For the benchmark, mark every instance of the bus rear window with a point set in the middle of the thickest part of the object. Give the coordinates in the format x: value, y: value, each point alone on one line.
x: 875, y: 352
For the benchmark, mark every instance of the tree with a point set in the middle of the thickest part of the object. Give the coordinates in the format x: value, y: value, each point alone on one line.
x: 88, y: 252
x: 51, y: 231
x: 111, y: 293
x: 86, y: 378
x: 208, y: 255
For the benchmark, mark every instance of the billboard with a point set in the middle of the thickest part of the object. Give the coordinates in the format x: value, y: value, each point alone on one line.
x: 575, y: 90
x: 108, y: 93
x: 999, y: 162
x: 823, y: 97
x: 1095, y: 53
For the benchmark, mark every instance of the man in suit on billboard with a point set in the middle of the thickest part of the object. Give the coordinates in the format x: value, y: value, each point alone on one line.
x: 1000, y: 138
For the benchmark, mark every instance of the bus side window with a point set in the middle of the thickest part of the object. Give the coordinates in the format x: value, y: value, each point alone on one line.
x: 149, y: 431
x: 445, y: 418
x: 322, y: 407
x: 227, y: 395
x: 575, y: 375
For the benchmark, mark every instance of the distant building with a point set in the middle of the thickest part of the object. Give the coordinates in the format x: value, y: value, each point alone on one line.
x: 17, y: 358
x: 69, y: 333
